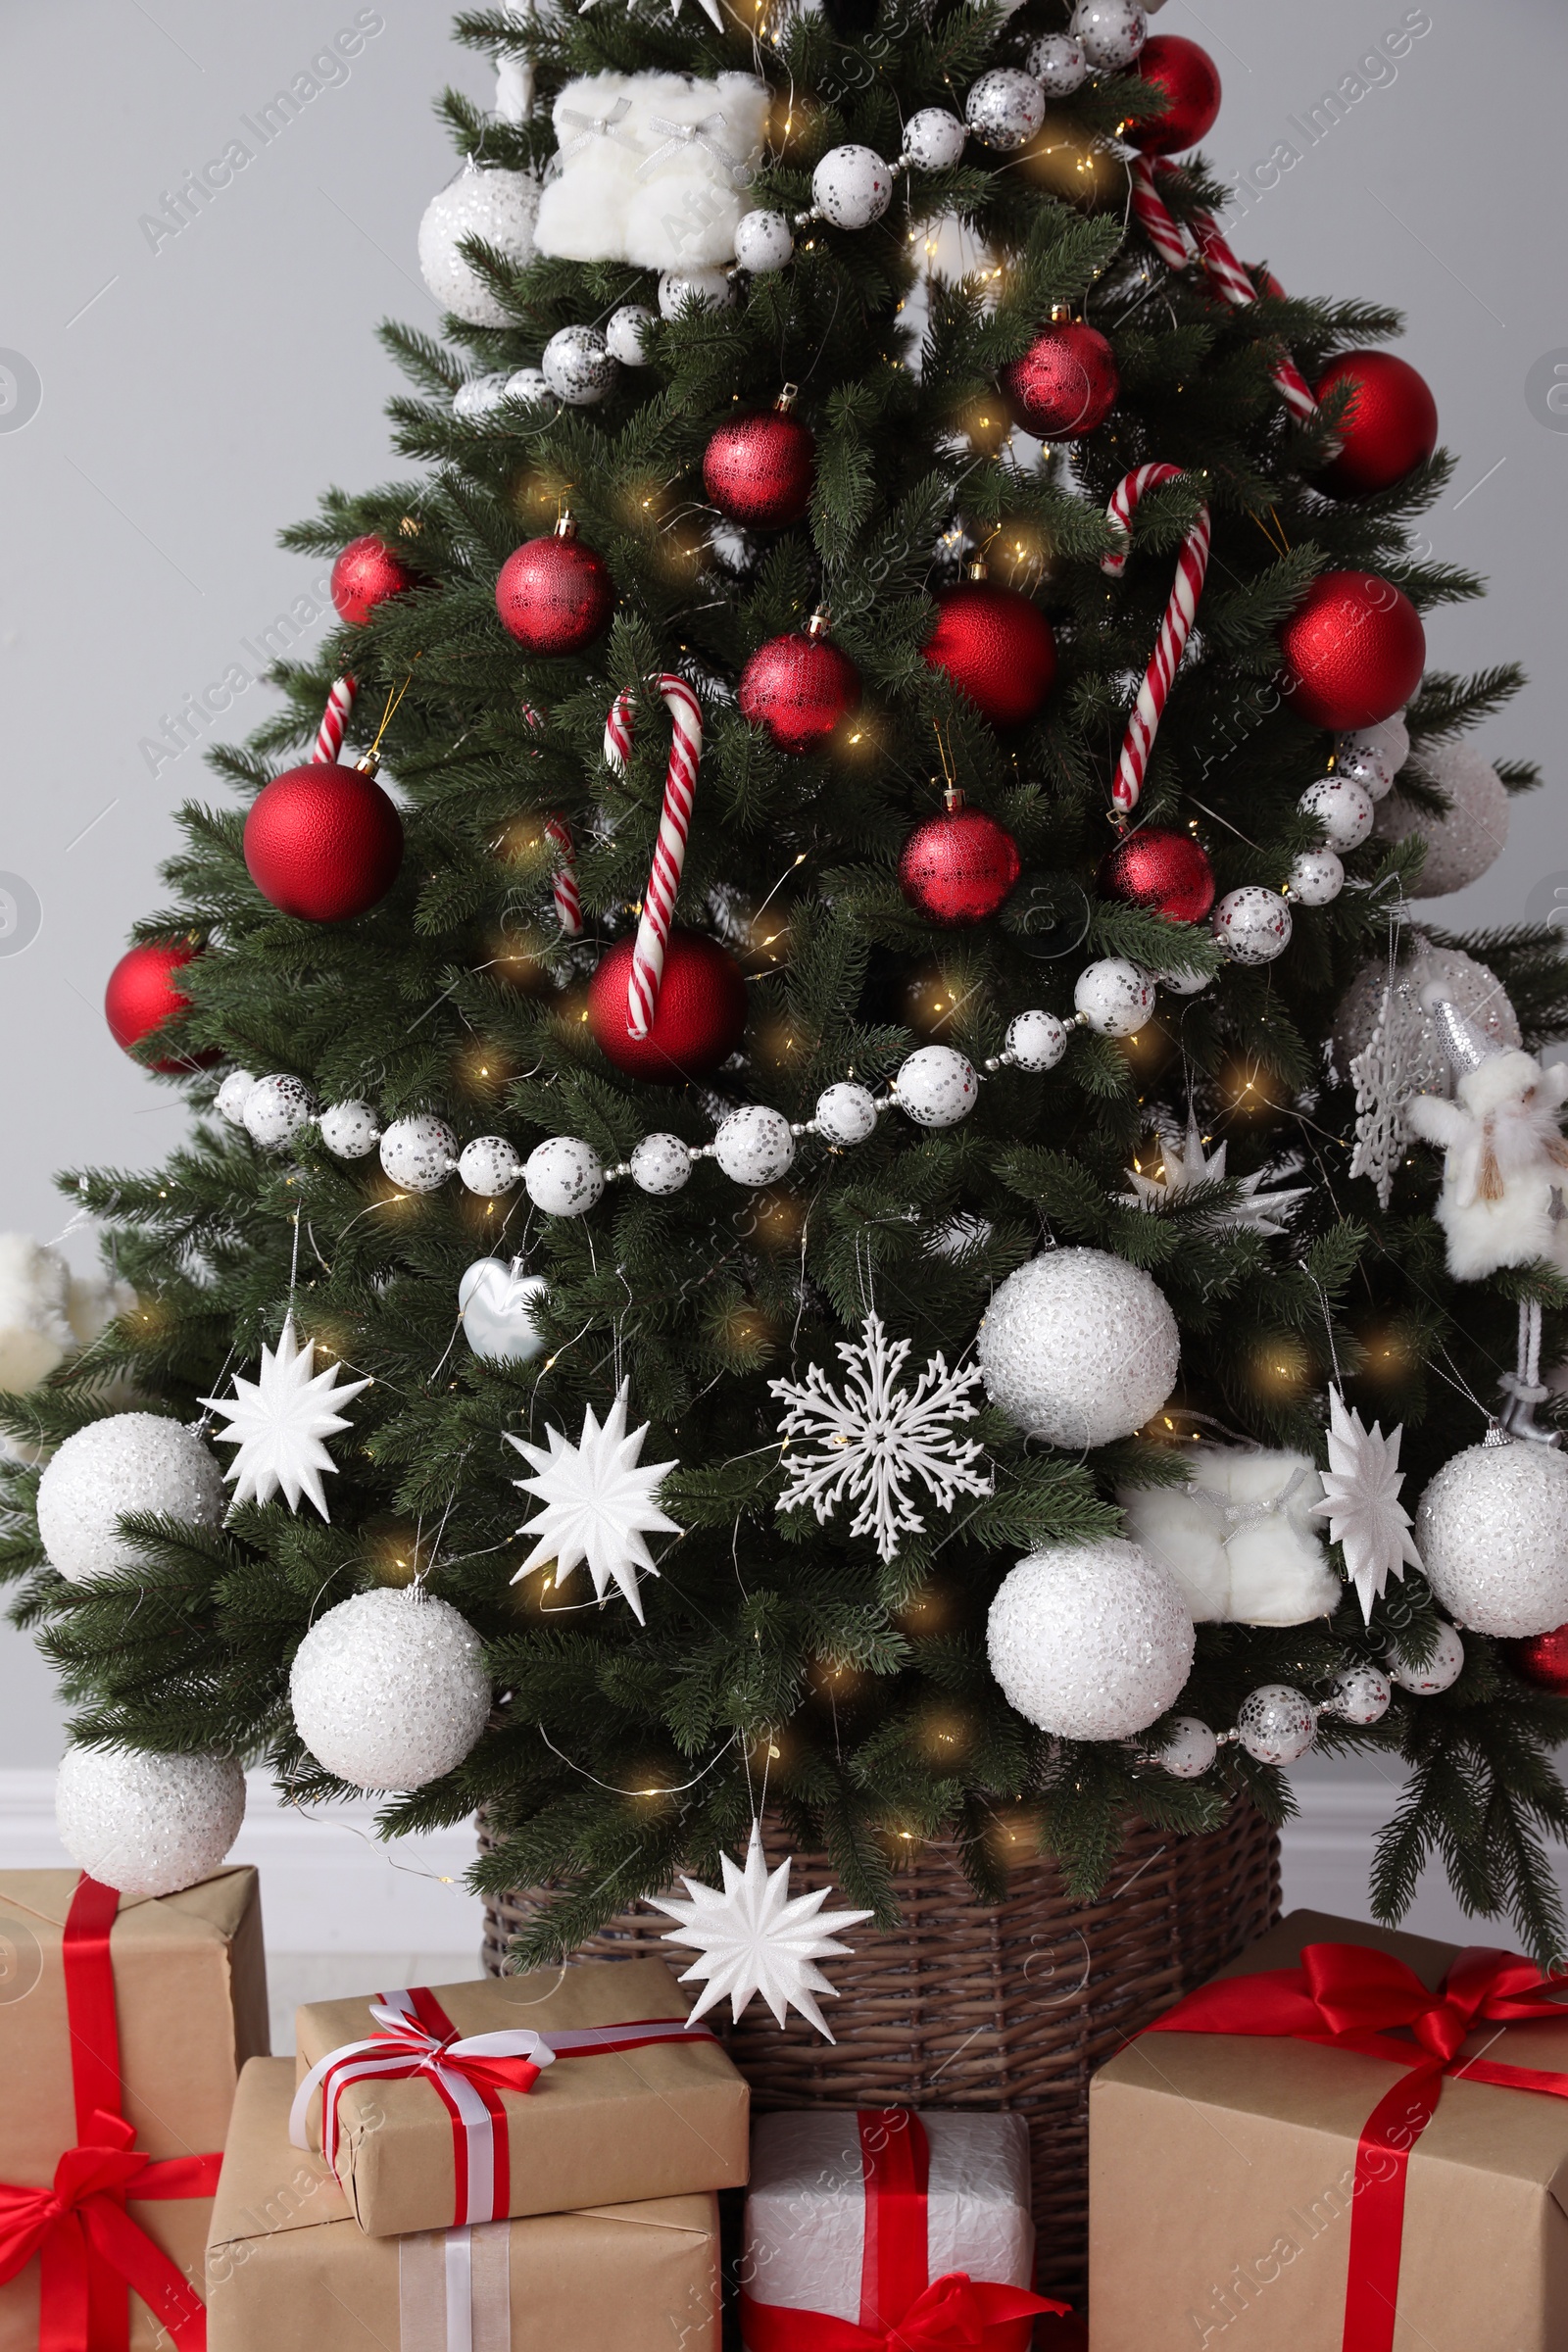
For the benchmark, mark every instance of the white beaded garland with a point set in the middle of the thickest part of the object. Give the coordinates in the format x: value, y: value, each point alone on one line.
x: 660, y: 1165
x: 277, y: 1110
x: 389, y: 1689
x: 350, y: 1129
x: 851, y: 186
x: 147, y: 1824
x: 845, y: 1113
x: 937, y: 1085
x: 934, y: 140
x: 497, y: 207
x: 1037, y: 1041
x: 1057, y: 63
x: 1389, y: 740
x: 754, y: 1145
x: 489, y: 1166
x: 1317, y: 877
x: 479, y: 396
x: 528, y: 383
x: 1469, y: 837
x: 1090, y: 1641
x: 1112, y: 32
x: 126, y: 1463
x: 1114, y: 997
x: 763, y: 242
x: 711, y: 288
x: 1004, y: 108
x: 1441, y: 1671
x: 1339, y: 808
x: 564, y: 1176
x: 1253, y: 924
x: 1079, y: 1347
x: 1364, y: 762
x: 229, y: 1102
x: 577, y: 366
x: 417, y: 1153
x: 624, y: 330
x: 1183, y: 984
x: 1277, y: 1724
x: 1188, y: 1749
x: 1360, y: 1694
x: 1493, y: 1533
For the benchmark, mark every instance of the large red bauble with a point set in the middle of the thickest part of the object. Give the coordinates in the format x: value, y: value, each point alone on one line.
x: 798, y: 687
x: 142, y: 993
x: 758, y: 470
x: 555, y: 594
x: 1543, y: 1660
x: 958, y: 867
x: 699, y: 1021
x: 1354, y: 650
x: 365, y: 575
x: 323, y: 842
x: 1064, y: 385
x: 1162, y: 870
x: 996, y: 648
x: 1188, y: 80
x: 1389, y: 427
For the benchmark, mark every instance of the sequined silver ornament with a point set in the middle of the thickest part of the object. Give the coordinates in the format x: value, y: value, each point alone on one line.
x: 1037, y: 1041
x: 1441, y: 1670
x: 1341, y: 811
x: 937, y: 1085
x: 851, y: 186
x: 1114, y: 995
x: 1090, y: 1641
x: 489, y: 1166
x: 528, y: 383
x: 147, y: 1824
x: 229, y: 1102
x: 126, y: 1463
x: 1253, y: 924
x: 845, y: 1113
x: 710, y: 287
x: 1188, y: 1749
x: 417, y: 1153
x: 1079, y: 1347
x: 754, y: 1145
x: 498, y: 208
x: 1421, y: 1052
x: 1317, y: 877
x: 277, y: 1110
x: 934, y: 140
x: 1473, y: 833
x: 624, y: 330
x: 1360, y: 1694
x: 763, y: 242
x: 1493, y: 1533
x: 1364, y: 762
x: 1004, y: 108
x: 1112, y: 32
x: 350, y: 1129
x: 660, y: 1165
x: 564, y: 1176
x: 389, y: 1689
x: 479, y: 396
x: 577, y: 366
x: 1276, y: 1724
x: 1057, y: 63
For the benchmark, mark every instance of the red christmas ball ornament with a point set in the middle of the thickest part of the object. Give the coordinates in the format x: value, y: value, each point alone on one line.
x: 697, y: 1022
x: 1354, y: 650
x: 323, y: 842
x: 798, y: 687
x: 996, y: 648
x: 555, y: 594
x: 1543, y: 1660
x: 143, y: 993
x: 758, y: 470
x: 960, y: 866
x: 365, y: 575
x: 1389, y: 428
x: 1188, y: 80
x: 1066, y: 383
x: 1162, y: 870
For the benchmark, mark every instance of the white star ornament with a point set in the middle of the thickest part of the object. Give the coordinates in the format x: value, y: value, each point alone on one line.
x: 599, y: 1504
x: 278, y: 1422
x: 753, y: 1938
x: 1361, y: 1502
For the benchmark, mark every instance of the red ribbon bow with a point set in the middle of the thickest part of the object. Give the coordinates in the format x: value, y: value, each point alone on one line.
x: 1350, y: 1996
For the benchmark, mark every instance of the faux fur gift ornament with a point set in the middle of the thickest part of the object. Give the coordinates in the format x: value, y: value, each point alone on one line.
x: 1240, y: 1539
x: 1505, y: 1167
x: 652, y: 168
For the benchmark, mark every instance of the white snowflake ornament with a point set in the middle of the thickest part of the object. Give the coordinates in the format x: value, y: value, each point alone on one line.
x: 753, y: 1936
x: 1361, y: 1502
x: 877, y: 1437
x: 279, y: 1420
x: 601, y: 1504
x: 1186, y: 1164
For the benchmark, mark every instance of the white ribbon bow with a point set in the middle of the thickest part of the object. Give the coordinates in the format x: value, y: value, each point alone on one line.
x: 594, y: 127
x: 708, y: 134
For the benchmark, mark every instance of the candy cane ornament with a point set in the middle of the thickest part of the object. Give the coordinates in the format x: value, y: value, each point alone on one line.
x: 669, y: 847
x: 1229, y: 280
x: 1192, y: 565
x: 563, y: 887
x: 334, y: 720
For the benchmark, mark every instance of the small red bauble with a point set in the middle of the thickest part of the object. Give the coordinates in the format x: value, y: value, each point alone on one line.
x: 1543, y: 1660
x: 142, y: 993
x: 1354, y: 650
x: 699, y: 1021
x: 798, y: 687
x: 1066, y: 383
x: 323, y: 842
x: 1389, y: 427
x: 1162, y: 870
x: 760, y: 469
x: 555, y: 594
x: 1188, y: 81
x: 960, y: 866
x: 996, y: 648
x: 365, y: 575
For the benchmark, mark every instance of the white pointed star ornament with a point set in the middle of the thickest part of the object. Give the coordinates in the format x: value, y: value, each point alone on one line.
x: 599, y: 1504
x: 279, y: 1420
x: 1186, y: 1165
x: 754, y: 1938
x: 1361, y: 1502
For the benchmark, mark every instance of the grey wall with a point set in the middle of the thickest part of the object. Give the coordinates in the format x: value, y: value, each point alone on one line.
x: 196, y: 396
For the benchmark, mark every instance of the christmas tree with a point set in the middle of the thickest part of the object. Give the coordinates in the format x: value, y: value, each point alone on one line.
x: 817, y: 1098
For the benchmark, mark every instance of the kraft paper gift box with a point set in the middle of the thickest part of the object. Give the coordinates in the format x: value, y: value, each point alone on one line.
x: 145, y: 2010
x: 662, y: 2116
x: 288, y: 2267
x: 1247, y: 2190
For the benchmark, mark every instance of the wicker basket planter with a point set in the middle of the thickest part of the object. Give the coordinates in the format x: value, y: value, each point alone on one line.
x: 1011, y: 2005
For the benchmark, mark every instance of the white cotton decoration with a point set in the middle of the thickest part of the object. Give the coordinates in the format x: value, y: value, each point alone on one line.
x: 1240, y: 1539
x: 763, y: 242
x: 147, y: 1824
x: 1317, y: 877
x: 1441, y: 1670
x: 1114, y: 997
x: 1090, y: 1641
x: 1253, y: 923
x: 1276, y: 1724
x: 417, y: 1153
x: 1493, y: 1533
x: 229, y: 1100
x: 1188, y: 1749
x: 1079, y: 1347
x: 1469, y: 837
x: 126, y: 1463
x: 937, y: 1085
x: 489, y: 1166
x: 1340, y: 809
x: 496, y: 1300
x: 389, y: 1689
x: 498, y: 208
x: 579, y: 365
x: 351, y: 1130
x: 1037, y: 1041
x: 564, y: 1176
x: 47, y: 1313
x: 845, y: 1113
x: 851, y: 186
x: 652, y: 168
x: 277, y: 1110
x: 754, y: 1145
x: 624, y: 330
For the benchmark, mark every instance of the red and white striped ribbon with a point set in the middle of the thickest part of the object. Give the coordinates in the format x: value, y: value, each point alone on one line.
x: 569, y: 902
x: 1229, y: 280
x: 669, y: 847
x: 1192, y: 564
x: 334, y: 719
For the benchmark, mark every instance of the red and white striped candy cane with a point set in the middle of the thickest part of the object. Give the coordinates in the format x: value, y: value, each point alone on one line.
x: 1162, y: 229
x: 334, y: 719
x: 670, y: 847
x: 1191, y: 567
x: 1229, y: 280
x: 568, y: 905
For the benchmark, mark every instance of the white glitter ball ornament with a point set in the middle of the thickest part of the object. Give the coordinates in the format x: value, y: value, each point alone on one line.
x: 1114, y: 997
x: 1276, y: 1724
x: 1059, y: 64
x: 624, y: 330
x: 417, y: 1153
x: 1037, y: 1041
x: 1090, y: 1641
x: 660, y: 1165
x: 711, y: 288
x: 754, y: 1145
x: 351, y: 1130
x: 126, y: 1463
x: 277, y: 1110
x: 1360, y: 1694
x: 1079, y: 1347
x: 1441, y: 1670
x: 851, y: 186
x: 1317, y: 877
x: 229, y: 1102
x: 479, y: 396
x: 763, y: 242
x: 1473, y: 833
x: 564, y: 1176
x: 489, y: 1166
x: 845, y: 1113
x: 934, y: 140
x: 1004, y: 108
x: 147, y: 1824
x: 1388, y: 742
x: 1423, y: 1056
x: 1339, y: 808
x: 1253, y: 924
x: 497, y: 207
x: 579, y: 365
x: 1112, y: 32
x: 1493, y: 1533
x: 528, y: 383
x: 937, y: 1085
x: 389, y: 1689
x: 1188, y: 1749
x: 1364, y: 762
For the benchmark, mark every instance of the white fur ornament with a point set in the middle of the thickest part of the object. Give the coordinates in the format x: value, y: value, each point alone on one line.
x: 46, y: 1311
x: 652, y: 168
x: 1079, y: 1347
x: 1090, y: 1641
x: 496, y: 206
x: 1240, y: 1539
x: 128, y: 1462
x: 1506, y: 1161
x: 1493, y: 1533
x: 1469, y: 837
x: 147, y: 1824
